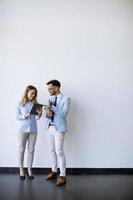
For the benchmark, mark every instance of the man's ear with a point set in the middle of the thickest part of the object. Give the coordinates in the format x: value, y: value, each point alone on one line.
x: 56, y: 89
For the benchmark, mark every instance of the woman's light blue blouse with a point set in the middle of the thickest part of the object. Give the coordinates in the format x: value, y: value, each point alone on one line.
x: 28, y: 124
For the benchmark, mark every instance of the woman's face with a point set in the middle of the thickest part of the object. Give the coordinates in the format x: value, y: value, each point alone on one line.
x: 31, y: 94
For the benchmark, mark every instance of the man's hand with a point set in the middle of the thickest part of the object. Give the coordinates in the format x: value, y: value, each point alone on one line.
x: 47, y: 107
x: 50, y: 113
x: 44, y: 107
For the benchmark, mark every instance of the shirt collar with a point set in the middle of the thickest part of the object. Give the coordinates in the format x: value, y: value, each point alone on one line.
x: 59, y: 95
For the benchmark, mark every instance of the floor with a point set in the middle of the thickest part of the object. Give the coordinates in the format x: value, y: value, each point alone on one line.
x: 78, y: 187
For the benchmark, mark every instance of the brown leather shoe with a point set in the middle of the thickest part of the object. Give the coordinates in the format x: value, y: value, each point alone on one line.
x: 61, y: 181
x: 51, y: 175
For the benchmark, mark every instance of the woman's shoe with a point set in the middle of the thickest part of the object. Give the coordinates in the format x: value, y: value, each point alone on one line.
x: 31, y: 177
x: 21, y: 174
x: 22, y: 177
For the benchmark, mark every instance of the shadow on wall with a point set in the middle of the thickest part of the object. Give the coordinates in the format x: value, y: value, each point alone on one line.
x: 77, y: 120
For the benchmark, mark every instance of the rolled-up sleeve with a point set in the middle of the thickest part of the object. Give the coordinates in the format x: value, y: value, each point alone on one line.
x: 19, y: 115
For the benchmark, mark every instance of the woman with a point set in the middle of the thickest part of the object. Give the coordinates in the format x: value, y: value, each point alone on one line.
x: 28, y: 129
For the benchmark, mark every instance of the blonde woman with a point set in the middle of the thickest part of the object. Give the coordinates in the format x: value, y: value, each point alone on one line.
x: 28, y: 129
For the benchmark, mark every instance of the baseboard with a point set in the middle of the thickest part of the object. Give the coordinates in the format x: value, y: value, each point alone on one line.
x: 74, y: 170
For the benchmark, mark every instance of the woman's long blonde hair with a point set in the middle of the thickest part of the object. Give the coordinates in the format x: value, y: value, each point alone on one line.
x: 25, y: 97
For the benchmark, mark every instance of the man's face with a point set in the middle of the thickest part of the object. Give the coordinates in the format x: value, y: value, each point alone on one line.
x: 52, y: 89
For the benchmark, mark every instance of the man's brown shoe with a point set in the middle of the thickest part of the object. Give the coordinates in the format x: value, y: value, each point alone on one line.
x: 61, y: 180
x: 51, y: 175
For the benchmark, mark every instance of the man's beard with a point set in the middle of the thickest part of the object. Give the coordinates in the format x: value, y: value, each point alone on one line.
x: 52, y: 94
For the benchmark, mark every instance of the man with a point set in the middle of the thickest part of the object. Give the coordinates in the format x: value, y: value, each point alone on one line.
x: 57, y: 110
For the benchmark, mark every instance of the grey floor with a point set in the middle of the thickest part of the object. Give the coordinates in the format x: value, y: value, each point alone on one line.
x: 78, y: 187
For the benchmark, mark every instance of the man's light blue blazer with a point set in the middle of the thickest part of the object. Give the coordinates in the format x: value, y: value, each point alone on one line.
x: 60, y: 112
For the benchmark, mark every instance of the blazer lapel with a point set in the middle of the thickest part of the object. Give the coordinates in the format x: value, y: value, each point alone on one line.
x: 59, y: 100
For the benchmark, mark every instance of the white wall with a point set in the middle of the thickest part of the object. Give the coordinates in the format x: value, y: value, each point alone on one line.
x: 88, y: 46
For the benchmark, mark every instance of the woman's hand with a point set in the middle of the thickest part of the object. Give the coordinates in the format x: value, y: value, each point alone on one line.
x: 27, y: 115
x: 39, y: 111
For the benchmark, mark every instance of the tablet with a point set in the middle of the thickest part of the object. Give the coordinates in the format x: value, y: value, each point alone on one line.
x: 35, y: 107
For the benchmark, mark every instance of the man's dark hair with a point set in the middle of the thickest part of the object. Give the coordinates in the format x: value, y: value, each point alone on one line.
x: 54, y: 83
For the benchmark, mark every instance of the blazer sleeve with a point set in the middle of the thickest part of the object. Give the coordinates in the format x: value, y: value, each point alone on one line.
x: 65, y: 109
